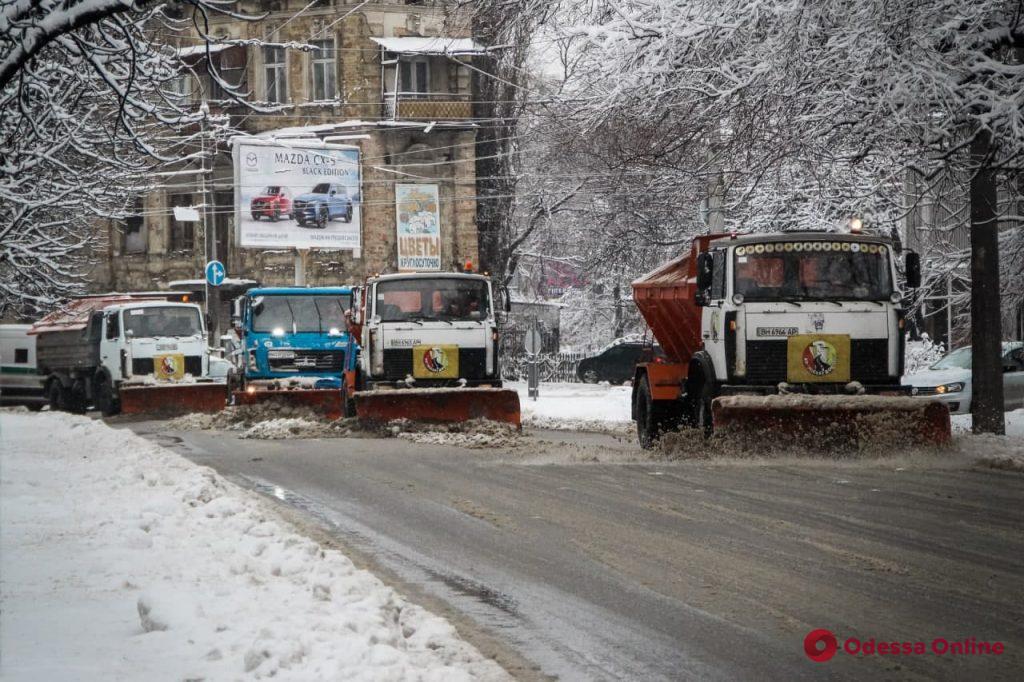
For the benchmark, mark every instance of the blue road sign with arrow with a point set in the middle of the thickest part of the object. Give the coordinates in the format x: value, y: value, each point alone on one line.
x: 215, y: 273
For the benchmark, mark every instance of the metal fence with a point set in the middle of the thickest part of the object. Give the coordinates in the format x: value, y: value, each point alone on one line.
x: 553, y: 366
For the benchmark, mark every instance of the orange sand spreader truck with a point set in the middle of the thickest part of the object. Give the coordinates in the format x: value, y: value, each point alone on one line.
x: 797, y: 336
x: 427, y: 351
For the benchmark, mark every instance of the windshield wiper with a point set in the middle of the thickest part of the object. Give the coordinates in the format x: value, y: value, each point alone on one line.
x: 291, y: 311
x: 791, y: 299
x: 319, y: 317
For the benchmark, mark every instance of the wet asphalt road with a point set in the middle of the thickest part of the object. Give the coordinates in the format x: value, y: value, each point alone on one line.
x: 565, y: 567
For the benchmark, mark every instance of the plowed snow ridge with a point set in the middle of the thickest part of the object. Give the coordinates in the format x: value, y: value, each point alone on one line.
x: 123, y: 560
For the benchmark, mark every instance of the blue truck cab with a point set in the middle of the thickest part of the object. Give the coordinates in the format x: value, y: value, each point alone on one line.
x: 292, y: 333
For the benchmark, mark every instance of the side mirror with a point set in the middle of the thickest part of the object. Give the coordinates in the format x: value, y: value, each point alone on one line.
x: 705, y: 271
x: 912, y: 269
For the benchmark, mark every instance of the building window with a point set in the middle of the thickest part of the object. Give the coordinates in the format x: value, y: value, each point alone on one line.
x: 323, y: 70
x: 275, y: 71
x: 21, y: 356
x: 233, y: 61
x: 414, y: 77
x: 182, y: 231
x: 180, y: 86
x: 134, y: 227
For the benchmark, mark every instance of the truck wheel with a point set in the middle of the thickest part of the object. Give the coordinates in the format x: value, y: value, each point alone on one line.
x: 348, y: 403
x: 256, y: 216
x: 648, y: 427
x: 590, y: 377
x: 698, y: 407
x: 348, y: 214
x: 275, y: 216
x: 35, y: 407
x: 106, y: 402
x: 322, y: 218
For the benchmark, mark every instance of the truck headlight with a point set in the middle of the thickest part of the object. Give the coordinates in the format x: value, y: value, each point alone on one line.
x: 737, y: 299
x: 252, y: 362
x: 950, y: 388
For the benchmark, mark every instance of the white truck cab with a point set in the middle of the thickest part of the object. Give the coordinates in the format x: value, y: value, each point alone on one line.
x: 158, y: 339
x: 811, y: 309
x: 428, y: 330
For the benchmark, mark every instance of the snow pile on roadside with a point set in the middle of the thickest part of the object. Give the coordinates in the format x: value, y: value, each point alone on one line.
x: 124, y: 561
x: 475, y: 434
x: 577, y: 407
x: 268, y: 422
x: 288, y: 427
x: 995, y: 452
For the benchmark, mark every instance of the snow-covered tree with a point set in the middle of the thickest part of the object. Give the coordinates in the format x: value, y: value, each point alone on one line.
x: 793, y: 114
x: 87, y: 111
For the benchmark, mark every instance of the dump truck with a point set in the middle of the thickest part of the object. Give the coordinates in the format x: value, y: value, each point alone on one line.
x: 123, y: 353
x: 745, y: 317
x: 424, y: 347
x: 290, y: 345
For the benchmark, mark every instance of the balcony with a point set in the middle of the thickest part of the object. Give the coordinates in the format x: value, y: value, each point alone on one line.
x: 423, y: 106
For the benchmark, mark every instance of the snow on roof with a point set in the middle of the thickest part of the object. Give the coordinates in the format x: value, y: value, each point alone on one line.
x: 75, y: 315
x: 193, y: 50
x: 419, y: 45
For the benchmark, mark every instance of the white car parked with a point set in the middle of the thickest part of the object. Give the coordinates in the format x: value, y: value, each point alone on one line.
x: 949, y: 379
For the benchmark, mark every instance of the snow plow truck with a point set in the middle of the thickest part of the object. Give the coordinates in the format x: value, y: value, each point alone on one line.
x: 781, y: 335
x: 289, y: 346
x: 122, y: 353
x: 428, y: 351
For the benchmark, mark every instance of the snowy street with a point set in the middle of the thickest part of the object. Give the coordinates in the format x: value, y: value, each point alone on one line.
x: 577, y: 555
x: 121, y: 560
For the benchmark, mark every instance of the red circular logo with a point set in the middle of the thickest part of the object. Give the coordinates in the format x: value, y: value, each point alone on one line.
x: 820, y: 645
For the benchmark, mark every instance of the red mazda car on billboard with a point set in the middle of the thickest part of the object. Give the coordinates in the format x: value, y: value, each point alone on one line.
x: 273, y: 202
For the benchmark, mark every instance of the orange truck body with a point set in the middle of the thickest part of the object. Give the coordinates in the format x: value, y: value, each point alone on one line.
x: 666, y: 299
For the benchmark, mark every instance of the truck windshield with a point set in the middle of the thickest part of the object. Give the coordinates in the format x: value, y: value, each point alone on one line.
x: 162, y: 321
x: 450, y: 298
x: 819, y: 270
x: 298, y: 313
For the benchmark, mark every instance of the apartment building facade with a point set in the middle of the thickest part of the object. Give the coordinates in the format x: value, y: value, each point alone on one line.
x: 393, y: 79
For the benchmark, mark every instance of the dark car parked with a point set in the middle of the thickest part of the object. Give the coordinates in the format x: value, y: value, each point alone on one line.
x: 616, y: 363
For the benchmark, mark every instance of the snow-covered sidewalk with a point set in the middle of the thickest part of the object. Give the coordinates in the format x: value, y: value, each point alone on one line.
x: 121, y: 560
x: 577, y: 407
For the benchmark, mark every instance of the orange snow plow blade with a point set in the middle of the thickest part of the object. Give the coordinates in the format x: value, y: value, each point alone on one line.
x: 831, y: 422
x: 326, y: 401
x: 165, y: 399
x: 439, y: 405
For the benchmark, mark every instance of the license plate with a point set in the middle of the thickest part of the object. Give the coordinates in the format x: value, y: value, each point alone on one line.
x: 818, y: 358
x: 435, y: 362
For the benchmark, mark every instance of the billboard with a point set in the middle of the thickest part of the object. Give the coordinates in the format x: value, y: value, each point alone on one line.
x: 419, y: 228
x: 303, y: 195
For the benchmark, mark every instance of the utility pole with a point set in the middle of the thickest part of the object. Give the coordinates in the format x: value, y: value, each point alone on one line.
x: 209, y: 230
x: 986, y: 314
